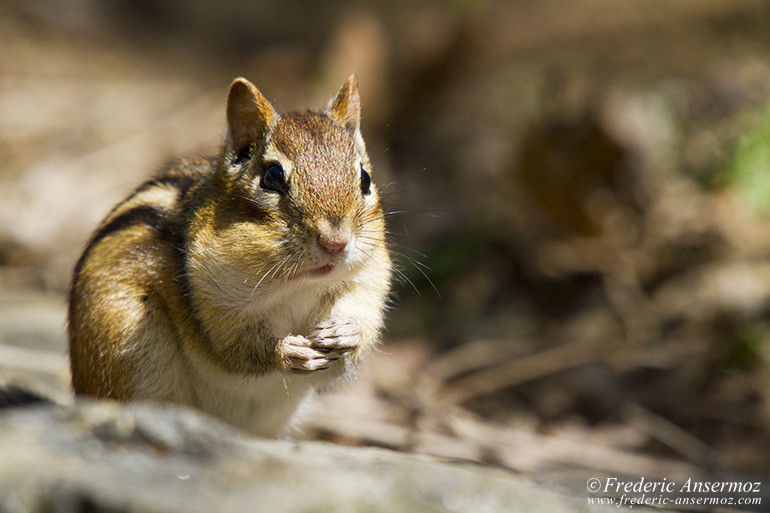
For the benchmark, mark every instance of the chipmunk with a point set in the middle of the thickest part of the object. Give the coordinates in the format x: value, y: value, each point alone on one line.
x: 242, y: 283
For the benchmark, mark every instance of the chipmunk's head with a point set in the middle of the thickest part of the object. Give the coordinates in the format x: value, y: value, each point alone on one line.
x: 301, y: 202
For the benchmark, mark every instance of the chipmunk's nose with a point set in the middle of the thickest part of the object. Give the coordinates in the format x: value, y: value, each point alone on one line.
x: 333, y: 236
x: 333, y: 243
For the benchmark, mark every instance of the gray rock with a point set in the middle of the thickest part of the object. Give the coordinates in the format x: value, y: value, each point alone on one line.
x: 105, y: 457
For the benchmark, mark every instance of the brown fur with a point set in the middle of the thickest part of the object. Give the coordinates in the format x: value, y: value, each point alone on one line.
x: 195, y: 265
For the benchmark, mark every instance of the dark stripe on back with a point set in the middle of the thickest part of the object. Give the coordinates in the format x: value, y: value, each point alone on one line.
x: 169, y: 226
x: 147, y: 215
x: 181, y: 182
x: 152, y: 217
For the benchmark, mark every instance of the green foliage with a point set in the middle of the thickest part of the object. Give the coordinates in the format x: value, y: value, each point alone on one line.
x: 748, y: 349
x: 432, y: 274
x: 455, y: 285
x: 748, y: 168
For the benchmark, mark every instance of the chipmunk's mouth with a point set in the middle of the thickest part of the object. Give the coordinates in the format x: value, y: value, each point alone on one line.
x: 320, y: 271
x: 317, y: 271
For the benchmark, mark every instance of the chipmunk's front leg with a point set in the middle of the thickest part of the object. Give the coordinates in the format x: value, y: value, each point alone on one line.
x: 325, y: 344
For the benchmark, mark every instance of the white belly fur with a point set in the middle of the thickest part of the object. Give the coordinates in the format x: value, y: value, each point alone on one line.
x: 261, y: 405
x: 264, y: 405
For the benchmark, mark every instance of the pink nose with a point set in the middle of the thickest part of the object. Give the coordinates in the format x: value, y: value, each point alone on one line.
x: 332, y: 245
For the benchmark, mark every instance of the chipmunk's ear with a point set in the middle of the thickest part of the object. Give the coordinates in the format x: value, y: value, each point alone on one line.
x: 249, y: 117
x: 345, y: 107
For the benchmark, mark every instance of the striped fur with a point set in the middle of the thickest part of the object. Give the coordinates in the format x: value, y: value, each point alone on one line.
x: 203, y: 288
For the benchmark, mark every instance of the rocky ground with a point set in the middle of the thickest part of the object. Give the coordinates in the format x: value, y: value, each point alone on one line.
x: 106, y: 458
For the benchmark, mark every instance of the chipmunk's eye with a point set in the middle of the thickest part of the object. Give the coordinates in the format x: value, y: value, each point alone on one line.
x: 273, y: 179
x: 366, y: 182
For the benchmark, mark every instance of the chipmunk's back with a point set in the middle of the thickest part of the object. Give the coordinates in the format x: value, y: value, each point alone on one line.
x: 132, y: 267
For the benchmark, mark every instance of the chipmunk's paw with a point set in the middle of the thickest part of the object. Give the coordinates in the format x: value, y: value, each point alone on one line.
x: 337, y: 335
x: 297, y: 355
x: 325, y: 344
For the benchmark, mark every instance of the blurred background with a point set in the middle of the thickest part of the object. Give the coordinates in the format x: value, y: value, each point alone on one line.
x: 579, y: 198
